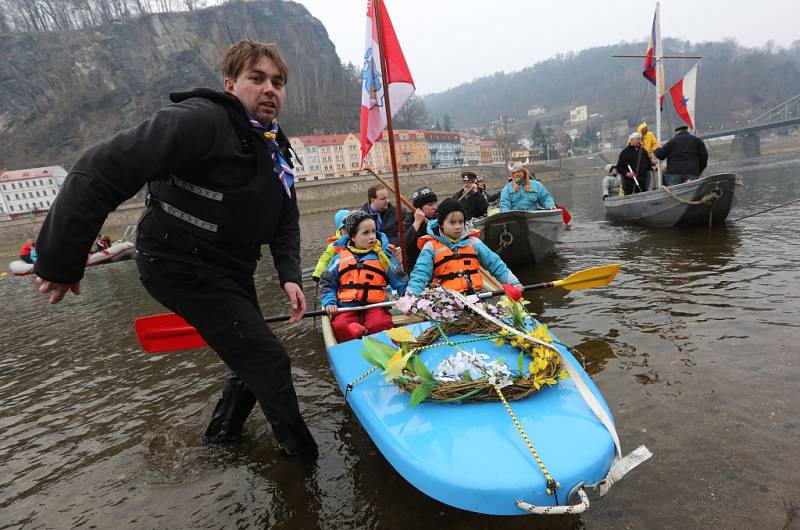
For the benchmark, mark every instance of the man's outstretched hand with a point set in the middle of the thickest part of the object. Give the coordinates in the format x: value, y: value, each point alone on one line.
x: 57, y: 290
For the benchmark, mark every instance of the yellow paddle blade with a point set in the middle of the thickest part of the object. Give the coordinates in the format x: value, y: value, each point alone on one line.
x: 586, y: 279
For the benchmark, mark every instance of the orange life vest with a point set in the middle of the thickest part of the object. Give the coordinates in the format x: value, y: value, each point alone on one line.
x: 459, y: 270
x: 360, y: 281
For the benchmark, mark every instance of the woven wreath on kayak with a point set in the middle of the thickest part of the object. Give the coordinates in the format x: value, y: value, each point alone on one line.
x: 467, y: 375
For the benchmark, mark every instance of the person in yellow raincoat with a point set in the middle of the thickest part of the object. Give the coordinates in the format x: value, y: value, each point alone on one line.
x: 648, y: 139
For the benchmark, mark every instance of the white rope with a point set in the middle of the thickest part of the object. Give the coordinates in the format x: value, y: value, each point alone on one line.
x: 556, y: 510
x: 586, y: 394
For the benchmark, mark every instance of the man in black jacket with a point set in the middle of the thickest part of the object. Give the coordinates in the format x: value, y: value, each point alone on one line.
x: 383, y: 212
x: 686, y: 157
x: 634, y: 165
x: 416, y: 224
x: 219, y: 174
x: 470, y: 196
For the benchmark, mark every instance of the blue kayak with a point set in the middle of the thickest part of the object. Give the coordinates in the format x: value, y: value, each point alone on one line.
x: 472, y: 455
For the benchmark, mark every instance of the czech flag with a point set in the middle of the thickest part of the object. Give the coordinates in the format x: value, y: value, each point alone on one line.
x: 401, y: 85
x: 683, y: 95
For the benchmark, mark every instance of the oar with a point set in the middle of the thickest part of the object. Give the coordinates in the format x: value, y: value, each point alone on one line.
x: 169, y: 332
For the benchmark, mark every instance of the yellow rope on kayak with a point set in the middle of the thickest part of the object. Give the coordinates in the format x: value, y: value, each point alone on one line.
x: 551, y: 483
x: 448, y: 342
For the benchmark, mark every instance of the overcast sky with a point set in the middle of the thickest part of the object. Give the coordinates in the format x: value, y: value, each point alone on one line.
x: 449, y: 42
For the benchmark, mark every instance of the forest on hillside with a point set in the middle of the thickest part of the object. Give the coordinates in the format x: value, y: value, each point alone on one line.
x: 734, y: 83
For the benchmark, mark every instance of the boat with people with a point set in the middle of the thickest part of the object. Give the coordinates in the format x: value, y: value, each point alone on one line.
x: 536, y: 446
x: 702, y: 202
x: 119, y: 251
x: 521, y: 236
x: 681, y: 197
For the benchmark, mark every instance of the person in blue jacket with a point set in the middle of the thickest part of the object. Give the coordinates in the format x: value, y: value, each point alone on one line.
x: 524, y: 192
x: 451, y: 257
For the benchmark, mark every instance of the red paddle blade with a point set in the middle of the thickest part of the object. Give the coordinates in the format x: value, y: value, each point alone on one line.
x: 167, y: 332
x: 564, y: 214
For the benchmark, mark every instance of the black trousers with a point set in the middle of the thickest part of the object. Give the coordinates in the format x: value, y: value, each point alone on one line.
x: 225, y: 310
x: 629, y: 185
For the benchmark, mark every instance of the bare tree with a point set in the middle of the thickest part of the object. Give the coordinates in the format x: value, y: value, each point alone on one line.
x: 506, y: 138
x: 413, y: 115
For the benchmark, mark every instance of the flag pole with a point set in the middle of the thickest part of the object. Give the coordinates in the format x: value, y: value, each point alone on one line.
x: 659, y: 61
x: 385, y: 77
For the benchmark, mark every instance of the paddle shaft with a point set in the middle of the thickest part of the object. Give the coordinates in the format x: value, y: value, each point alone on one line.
x: 320, y: 312
x: 635, y: 180
x: 169, y: 332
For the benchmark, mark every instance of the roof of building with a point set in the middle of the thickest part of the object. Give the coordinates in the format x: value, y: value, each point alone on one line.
x: 323, y: 139
x: 32, y: 173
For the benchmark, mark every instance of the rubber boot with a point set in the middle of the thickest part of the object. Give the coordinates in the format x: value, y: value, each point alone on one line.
x: 230, y: 413
x: 295, y: 444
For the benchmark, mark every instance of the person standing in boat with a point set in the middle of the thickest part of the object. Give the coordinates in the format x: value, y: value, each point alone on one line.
x: 524, y: 192
x: 686, y: 157
x: 359, y: 275
x: 383, y: 212
x: 220, y: 181
x: 634, y: 166
x: 416, y: 224
x: 649, y: 141
x: 488, y: 197
x: 469, y: 195
x: 452, y: 257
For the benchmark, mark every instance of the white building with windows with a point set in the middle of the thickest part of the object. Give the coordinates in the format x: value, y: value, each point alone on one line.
x: 25, y: 191
x: 331, y: 156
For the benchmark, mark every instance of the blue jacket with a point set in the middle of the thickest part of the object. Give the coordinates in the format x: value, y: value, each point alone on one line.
x: 329, y: 281
x: 536, y: 199
x: 422, y: 274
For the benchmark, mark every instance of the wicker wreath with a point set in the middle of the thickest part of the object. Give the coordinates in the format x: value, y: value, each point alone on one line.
x: 480, y: 390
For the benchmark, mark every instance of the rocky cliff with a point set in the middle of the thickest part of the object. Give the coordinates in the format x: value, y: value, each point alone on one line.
x: 62, y: 92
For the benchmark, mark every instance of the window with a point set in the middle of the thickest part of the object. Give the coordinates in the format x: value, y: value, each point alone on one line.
x: 53, y: 192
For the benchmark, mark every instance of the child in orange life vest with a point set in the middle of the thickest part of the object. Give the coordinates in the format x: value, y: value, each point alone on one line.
x: 359, y: 275
x: 452, y: 258
x: 330, y: 251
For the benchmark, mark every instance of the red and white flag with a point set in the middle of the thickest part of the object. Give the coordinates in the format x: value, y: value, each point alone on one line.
x: 683, y: 95
x: 401, y: 85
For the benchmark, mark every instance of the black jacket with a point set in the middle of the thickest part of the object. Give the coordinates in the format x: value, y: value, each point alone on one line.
x: 475, y: 203
x: 635, y: 157
x: 412, y: 235
x: 204, y: 139
x: 686, y: 154
x: 491, y: 197
x: 388, y: 224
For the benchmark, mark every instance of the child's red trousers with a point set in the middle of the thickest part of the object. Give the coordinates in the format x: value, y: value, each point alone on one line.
x: 349, y: 325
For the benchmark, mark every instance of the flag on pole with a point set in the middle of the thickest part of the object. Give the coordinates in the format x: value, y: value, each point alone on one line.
x: 401, y: 85
x: 683, y: 94
x: 650, y: 56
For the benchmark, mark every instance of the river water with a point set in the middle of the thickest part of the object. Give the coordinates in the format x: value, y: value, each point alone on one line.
x: 693, y: 346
